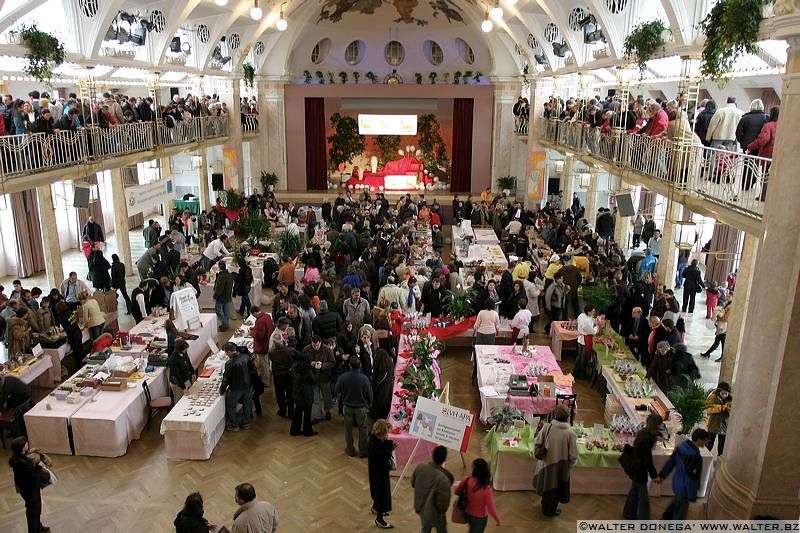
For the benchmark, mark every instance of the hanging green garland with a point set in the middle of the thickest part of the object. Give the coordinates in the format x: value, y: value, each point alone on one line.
x: 731, y: 31
x: 45, y: 52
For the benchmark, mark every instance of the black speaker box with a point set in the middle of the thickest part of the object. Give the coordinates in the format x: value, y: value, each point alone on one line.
x: 217, y: 182
x: 625, y: 205
x: 81, y: 197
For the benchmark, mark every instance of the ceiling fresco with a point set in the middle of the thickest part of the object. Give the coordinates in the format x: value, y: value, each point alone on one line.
x: 408, y: 11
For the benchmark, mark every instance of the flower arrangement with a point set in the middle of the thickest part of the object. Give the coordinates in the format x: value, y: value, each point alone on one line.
x: 459, y: 303
x: 268, y: 180
x: 636, y: 387
x: 330, y: 78
x: 232, y: 199
x: 606, y: 340
x: 457, y: 77
x: 643, y: 42
x: 690, y: 401
x: 503, y: 417
x: 731, y: 31
x: 306, y: 77
x: 421, y: 376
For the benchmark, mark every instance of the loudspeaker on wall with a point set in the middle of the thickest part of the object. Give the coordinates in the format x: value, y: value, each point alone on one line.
x: 81, y: 197
x: 625, y: 205
x: 217, y: 182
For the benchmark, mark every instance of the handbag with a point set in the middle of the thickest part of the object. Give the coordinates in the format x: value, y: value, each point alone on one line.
x: 457, y: 516
x: 393, y: 461
x: 540, y: 450
x: 628, y: 460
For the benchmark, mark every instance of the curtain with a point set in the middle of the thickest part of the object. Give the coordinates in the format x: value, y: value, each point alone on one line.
x: 316, y: 145
x: 130, y: 177
x: 646, y: 199
x: 461, y: 169
x: 724, y: 247
x: 30, y: 254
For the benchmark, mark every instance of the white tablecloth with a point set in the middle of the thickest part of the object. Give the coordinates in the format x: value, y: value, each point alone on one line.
x: 57, y: 355
x: 105, y: 426
x: 42, y: 368
x: 479, y: 235
x: 191, y: 436
x: 48, y: 428
x: 197, y: 348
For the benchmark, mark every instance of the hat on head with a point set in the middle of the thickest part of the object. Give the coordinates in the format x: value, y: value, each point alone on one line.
x: 724, y: 386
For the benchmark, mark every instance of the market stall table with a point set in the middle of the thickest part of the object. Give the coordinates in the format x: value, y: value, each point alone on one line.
x: 56, y: 356
x: 47, y: 424
x: 479, y: 235
x: 560, y: 333
x: 496, y: 363
x: 206, y: 298
x: 106, y: 425
x: 35, y: 369
x: 152, y: 327
x: 597, y: 471
x: 195, y: 425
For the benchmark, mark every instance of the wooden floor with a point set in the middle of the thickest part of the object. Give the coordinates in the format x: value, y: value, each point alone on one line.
x: 313, y: 484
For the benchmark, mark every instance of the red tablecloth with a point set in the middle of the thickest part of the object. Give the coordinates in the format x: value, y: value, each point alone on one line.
x: 452, y: 330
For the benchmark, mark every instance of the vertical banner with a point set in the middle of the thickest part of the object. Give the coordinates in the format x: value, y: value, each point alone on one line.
x: 231, y: 160
x: 537, y: 176
x: 443, y: 424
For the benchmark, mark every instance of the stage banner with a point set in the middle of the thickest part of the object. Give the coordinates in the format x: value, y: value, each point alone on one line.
x: 148, y: 196
x: 442, y: 424
x: 230, y: 163
x: 537, y: 174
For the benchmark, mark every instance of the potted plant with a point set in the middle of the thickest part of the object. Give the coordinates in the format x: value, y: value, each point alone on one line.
x: 45, y: 52
x: 457, y: 77
x: 477, y: 77
x: 371, y: 77
x: 458, y: 304
x: 507, y: 184
x: 446, y: 77
x: 330, y: 78
x: 467, y: 76
x: 600, y: 296
x: 431, y: 143
x: 503, y: 417
x: 289, y: 243
x: 644, y: 41
x: 690, y: 401
x: 731, y: 30
x: 387, y: 147
x: 345, y: 143
x: 268, y: 180
x: 432, y: 77
x: 343, y: 77
x: 306, y: 77
x: 356, y: 76
x: 255, y: 227
x: 231, y: 199
x: 418, y: 78
x: 249, y: 74
x: 320, y: 77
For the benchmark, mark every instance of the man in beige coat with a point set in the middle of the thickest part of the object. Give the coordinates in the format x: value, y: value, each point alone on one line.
x: 552, y: 473
x: 253, y: 516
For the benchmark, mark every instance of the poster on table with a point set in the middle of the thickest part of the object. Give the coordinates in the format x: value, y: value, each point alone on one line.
x: 442, y: 424
x: 147, y: 197
x: 185, y: 309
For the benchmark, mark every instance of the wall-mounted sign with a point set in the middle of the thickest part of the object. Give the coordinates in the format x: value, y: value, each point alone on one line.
x: 387, y: 124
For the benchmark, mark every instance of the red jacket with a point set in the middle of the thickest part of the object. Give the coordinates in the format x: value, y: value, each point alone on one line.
x: 261, y: 333
x: 480, y: 503
x: 765, y: 142
x: 660, y: 123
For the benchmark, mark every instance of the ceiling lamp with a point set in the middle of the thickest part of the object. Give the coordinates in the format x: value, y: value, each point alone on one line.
x: 487, y: 24
x: 281, y: 24
x: 497, y: 12
x: 221, y: 2
x: 511, y: 2
x: 255, y: 12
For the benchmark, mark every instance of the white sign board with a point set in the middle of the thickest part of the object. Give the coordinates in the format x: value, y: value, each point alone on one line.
x: 387, y: 124
x: 185, y: 308
x: 141, y: 198
x: 443, y: 424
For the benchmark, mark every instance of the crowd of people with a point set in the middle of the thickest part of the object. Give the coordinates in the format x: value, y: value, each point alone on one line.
x: 329, y: 343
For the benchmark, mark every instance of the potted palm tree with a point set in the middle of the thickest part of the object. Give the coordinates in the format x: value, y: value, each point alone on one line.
x: 690, y: 402
x: 507, y: 184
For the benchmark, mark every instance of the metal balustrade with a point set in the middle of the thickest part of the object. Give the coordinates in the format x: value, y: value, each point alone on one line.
x: 249, y: 123
x: 733, y: 179
x: 27, y: 154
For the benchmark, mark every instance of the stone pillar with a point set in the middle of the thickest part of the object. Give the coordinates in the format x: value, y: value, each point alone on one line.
x: 271, y: 140
x: 737, y: 320
x: 568, y: 181
x: 760, y: 473
x: 622, y: 227
x: 205, y: 197
x: 591, y: 196
x: 51, y: 246
x: 505, y: 140
x: 121, y: 229
x: 233, y: 147
x: 668, y: 258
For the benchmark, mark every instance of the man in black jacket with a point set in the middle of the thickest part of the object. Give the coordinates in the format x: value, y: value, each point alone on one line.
x: 356, y: 397
x: 236, y: 383
x: 118, y: 280
x: 282, y: 357
x: 636, y: 330
x: 326, y: 324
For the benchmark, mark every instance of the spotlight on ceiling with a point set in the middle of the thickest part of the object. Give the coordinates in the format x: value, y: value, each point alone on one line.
x: 281, y: 24
x: 175, y: 45
x: 221, y: 2
x: 560, y: 49
x: 186, y: 48
x: 127, y: 17
x: 497, y: 12
x: 139, y: 35
x: 487, y: 25
x: 255, y: 12
x: 540, y: 59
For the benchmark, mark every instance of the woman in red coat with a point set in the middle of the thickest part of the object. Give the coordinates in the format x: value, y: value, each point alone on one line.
x: 765, y: 144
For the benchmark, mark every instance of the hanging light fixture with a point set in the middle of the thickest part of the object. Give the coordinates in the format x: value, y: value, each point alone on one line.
x: 685, y: 234
x: 221, y: 2
x: 584, y: 179
x: 255, y: 12
x: 497, y: 12
x: 487, y: 24
x: 282, y: 24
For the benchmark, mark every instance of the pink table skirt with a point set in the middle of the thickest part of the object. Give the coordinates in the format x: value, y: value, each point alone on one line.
x: 405, y: 445
x: 558, y: 336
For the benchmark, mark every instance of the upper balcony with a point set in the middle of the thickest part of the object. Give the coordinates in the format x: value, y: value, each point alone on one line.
x: 29, y: 159
x: 725, y: 184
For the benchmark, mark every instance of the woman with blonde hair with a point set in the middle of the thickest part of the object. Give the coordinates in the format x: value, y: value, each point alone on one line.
x: 379, y: 463
x: 91, y: 316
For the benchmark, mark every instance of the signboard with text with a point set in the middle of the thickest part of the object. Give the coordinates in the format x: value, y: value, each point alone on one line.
x: 442, y: 424
x: 148, y: 196
x: 387, y: 124
x: 185, y: 308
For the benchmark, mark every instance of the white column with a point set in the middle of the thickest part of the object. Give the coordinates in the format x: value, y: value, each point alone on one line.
x: 121, y: 229
x: 591, y: 196
x: 568, y: 180
x: 504, y: 135
x: 668, y: 258
x: 50, y: 244
x: 232, y: 98
x: 271, y: 140
x: 205, y: 198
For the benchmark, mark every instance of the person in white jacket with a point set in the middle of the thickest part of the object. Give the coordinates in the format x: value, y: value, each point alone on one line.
x: 722, y: 128
x: 521, y: 321
x: 587, y: 325
x: 532, y: 292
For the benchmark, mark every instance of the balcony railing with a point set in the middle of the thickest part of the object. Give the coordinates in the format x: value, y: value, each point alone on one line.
x: 38, y: 152
x: 733, y: 179
x: 249, y: 123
